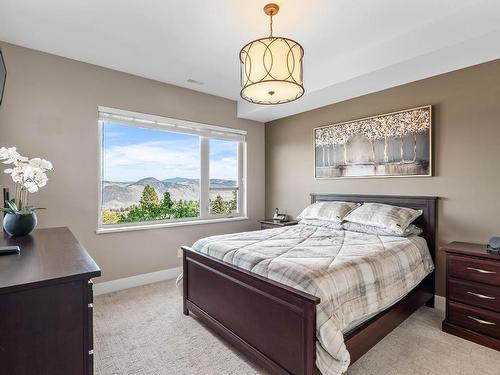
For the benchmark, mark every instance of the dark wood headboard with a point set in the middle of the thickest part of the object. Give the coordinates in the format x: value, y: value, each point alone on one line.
x: 428, y: 220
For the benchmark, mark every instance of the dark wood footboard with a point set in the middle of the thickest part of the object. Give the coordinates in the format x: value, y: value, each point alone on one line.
x: 364, y: 337
x: 272, y: 323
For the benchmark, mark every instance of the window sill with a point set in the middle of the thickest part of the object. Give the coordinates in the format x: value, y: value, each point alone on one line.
x: 129, y: 228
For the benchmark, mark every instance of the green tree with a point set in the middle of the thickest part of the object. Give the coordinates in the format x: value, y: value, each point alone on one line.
x: 166, y: 210
x: 136, y: 213
x: 218, y: 206
x: 180, y: 209
x: 194, y: 208
x: 110, y: 217
x: 232, y: 205
x: 150, y: 208
x: 185, y: 209
x: 167, y: 201
x: 149, y: 197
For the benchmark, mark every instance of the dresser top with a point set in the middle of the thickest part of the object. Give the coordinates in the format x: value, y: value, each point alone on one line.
x: 472, y: 249
x: 46, y: 255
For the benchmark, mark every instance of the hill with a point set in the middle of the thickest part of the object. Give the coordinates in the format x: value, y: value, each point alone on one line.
x: 118, y: 195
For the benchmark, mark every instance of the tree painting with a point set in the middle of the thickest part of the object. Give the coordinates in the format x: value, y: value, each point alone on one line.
x: 321, y: 141
x: 384, y: 135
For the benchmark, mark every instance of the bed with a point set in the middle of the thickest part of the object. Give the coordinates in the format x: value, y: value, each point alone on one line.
x: 283, y: 327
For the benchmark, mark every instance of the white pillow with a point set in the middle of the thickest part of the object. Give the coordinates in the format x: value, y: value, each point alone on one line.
x: 322, y: 223
x: 383, y: 216
x: 331, y: 211
x: 369, y: 229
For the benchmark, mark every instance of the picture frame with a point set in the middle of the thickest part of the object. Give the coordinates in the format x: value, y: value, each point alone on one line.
x: 394, y: 144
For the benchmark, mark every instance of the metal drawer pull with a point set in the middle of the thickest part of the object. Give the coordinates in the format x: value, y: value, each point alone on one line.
x: 90, y: 305
x: 479, y: 270
x: 481, y: 295
x: 91, y: 352
x: 481, y: 321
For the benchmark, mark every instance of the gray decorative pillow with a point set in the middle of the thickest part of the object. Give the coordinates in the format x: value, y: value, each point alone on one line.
x: 383, y: 216
x: 362, y: 228
x: 331, y: 211
x: 322, y: 223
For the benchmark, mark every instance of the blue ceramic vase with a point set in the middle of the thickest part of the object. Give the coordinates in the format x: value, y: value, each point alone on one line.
x: 19, y: 225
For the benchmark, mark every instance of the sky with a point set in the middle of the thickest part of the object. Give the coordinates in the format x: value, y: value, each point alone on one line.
x: 131, y: 153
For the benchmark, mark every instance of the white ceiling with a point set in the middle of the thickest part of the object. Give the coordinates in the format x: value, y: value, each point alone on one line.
x: 352, y: 47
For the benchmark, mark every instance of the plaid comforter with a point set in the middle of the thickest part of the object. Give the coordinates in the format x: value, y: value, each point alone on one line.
x: 355, y: 274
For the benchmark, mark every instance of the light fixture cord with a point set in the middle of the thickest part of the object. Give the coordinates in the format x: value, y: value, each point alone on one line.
x: 271, y: 25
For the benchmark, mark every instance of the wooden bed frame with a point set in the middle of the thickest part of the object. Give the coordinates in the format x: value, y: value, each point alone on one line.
x: 275, y: 324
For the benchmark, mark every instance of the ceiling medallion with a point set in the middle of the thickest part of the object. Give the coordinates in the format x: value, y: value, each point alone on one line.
x: 271, y: 68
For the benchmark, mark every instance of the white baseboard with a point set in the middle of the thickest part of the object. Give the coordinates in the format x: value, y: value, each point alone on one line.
x: 138, y: 280
x: 440, y: 303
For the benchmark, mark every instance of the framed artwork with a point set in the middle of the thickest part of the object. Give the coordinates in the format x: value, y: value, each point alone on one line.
x: 397, y: 144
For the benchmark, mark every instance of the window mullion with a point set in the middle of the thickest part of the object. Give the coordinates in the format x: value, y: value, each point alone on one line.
x: 241, y: 180
x: 204, y: 177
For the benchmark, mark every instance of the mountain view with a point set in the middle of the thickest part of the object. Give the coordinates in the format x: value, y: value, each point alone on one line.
x: 121, y: 195
x: 153, y: 175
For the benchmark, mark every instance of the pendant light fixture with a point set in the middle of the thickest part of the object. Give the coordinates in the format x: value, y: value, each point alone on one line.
x: 271, y: 68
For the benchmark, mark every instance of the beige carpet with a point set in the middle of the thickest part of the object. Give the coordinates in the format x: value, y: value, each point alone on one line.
x: 142, y: 331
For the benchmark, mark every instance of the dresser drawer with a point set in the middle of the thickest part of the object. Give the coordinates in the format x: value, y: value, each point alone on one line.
x: 474, y: 269
x: 474, y: 294
x: 89, y: 348
x: 474, y: 318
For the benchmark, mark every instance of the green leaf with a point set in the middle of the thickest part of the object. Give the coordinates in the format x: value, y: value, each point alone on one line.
x: 12, y: 208
x: 31, y: 208
x: 12, y: 205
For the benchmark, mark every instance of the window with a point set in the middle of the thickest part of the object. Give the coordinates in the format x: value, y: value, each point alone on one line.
x: 224, y: 177
x: 157, y: 170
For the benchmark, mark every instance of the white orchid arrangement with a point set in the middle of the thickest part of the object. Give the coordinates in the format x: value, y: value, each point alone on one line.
x: 29, y: 175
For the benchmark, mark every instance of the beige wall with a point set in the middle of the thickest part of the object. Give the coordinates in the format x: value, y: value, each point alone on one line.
x: 466, y: 114
x: 50, y: 110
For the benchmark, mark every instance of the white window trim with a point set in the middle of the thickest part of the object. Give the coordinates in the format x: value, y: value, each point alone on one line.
x: 165, y: 224
x: 172, y: 124
x: 205, y: 132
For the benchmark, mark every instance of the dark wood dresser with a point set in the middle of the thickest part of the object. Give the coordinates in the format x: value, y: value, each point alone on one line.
x: 473, y: 293
x: 46, y: 305
x: 270, y: 223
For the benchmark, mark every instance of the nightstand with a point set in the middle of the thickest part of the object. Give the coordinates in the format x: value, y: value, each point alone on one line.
x: 472, y: 293
x: 270, y: 223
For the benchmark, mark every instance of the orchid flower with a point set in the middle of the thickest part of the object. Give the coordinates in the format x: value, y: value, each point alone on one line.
x: 28, y: 174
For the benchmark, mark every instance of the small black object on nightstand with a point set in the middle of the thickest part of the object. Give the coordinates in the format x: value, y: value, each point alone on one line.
x: 4, y: 250
x: 493, y: 245
x: 270, y: 223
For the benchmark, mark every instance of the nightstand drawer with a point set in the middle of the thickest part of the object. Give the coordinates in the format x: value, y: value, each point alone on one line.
x: 474, y: 318
x: 474, y: 294
x: 474, y: 269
